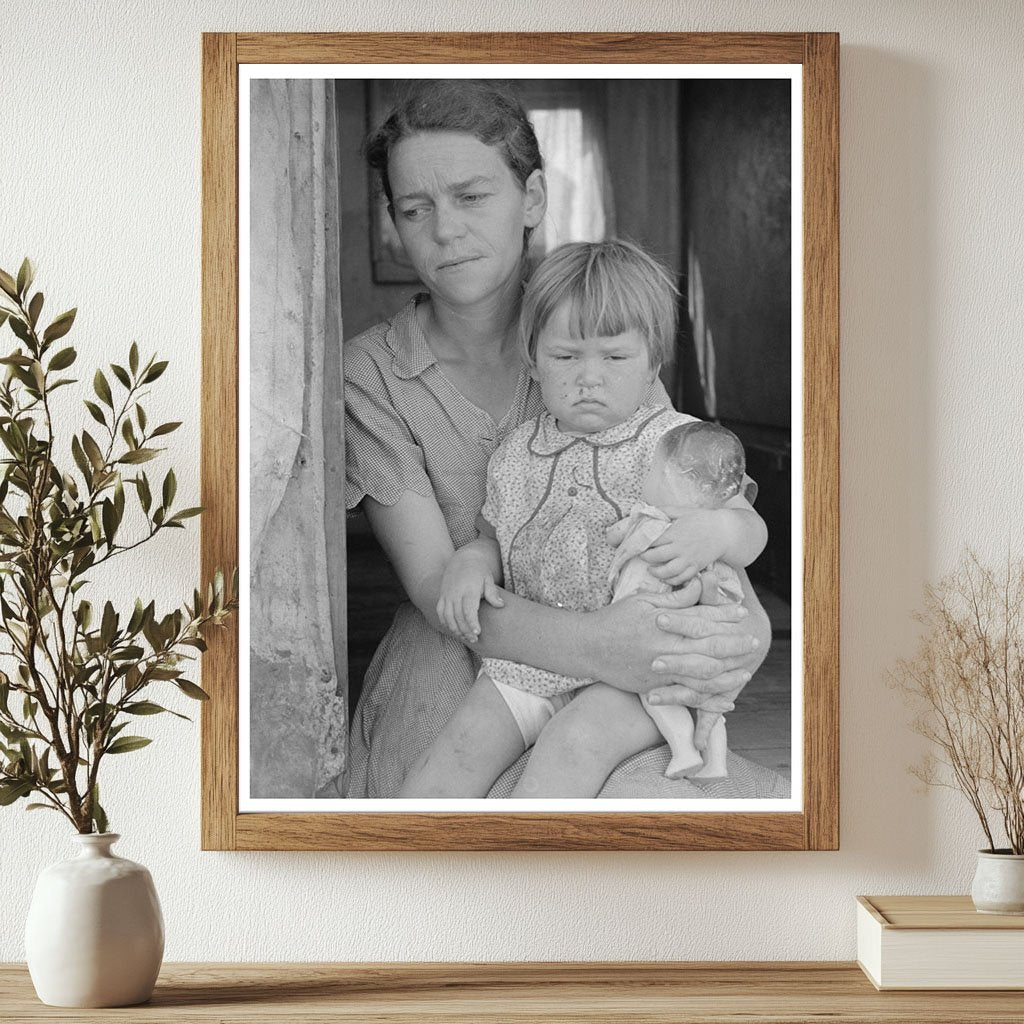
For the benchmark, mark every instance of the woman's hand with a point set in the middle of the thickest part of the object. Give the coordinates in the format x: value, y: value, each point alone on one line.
x: 709, y: 691
x: 662, y: 644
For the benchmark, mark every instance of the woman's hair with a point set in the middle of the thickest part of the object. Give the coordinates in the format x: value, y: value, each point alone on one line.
x: 486, y: 109
x: 611, y: 287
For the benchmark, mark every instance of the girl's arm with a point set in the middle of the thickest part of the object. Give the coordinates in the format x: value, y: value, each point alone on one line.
x: 734, y: 534
x: 473, y: 574
x: 617, y: 644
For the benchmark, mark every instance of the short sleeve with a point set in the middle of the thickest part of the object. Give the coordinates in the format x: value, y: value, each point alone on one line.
x: 382, y: 458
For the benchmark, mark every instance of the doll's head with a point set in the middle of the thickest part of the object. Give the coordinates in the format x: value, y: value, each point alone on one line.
x: 597, y: 321
x: 695, y: 465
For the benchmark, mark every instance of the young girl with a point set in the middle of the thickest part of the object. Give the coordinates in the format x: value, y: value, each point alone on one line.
x: 597, y: 321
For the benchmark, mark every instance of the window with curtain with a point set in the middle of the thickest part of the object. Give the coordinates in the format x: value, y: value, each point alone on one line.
x: 569, y: 119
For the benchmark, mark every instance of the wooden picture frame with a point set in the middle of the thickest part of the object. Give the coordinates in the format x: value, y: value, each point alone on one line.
x: 813, y: 827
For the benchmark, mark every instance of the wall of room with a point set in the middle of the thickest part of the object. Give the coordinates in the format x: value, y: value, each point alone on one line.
x: 101, y: 185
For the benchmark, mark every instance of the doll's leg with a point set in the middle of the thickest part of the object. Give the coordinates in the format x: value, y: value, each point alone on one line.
x: 675, y: 723
x: 716, y: 750
x: 584, y: 743
x: 479, y: 742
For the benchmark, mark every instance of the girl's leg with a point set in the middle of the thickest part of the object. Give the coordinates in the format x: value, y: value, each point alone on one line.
x: 581, y: 746
x: 479, y: 742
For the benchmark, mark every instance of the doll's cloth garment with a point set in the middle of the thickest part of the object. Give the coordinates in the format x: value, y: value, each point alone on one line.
x: 630, y: 574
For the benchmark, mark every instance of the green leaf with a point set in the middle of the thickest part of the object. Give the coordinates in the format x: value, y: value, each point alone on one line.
x: 170, y: 488
x: 96, y: 412
x: 99, y: 816
x: 109, y: 521
x: 121, y: 374
x: 133, y: 358
x: 145, y: 498
x: 26, y: 274
x: 191, y: 690
x: 7, y: 283
x: 42, y: 807
x: 16, y: 359
x: 165, y: 428
x: 102, y: 388
x: 60, y: 326
x: 185, y: 513
x: 138, y: 614
x: 11, y: 791
x: 92, y: 449
x: 119, y: 499
x: 34, y: 308
x: 126, y: 744
x: 38, y: 377
x: 144, y: 707
x: 63, y: 359
x: 108, y: 627
x: 139, y: 455
x: 128, y: 433
x: 4, y: 314
x: 140, y: 415
x: 20, y: 328
x: 154, y: 371
x: 80, y: 459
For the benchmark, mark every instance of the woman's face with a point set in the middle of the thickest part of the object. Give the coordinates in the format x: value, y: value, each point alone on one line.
x: 460, y: 214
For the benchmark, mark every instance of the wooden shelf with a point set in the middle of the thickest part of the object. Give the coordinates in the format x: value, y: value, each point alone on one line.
x: 661, y: 993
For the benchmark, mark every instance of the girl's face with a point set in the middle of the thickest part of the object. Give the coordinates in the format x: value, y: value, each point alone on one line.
x: 460, y: 213
x: 589, y: 384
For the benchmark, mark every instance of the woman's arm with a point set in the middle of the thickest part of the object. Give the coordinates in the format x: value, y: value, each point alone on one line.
x: 617, y: 644
x: 415, y: 538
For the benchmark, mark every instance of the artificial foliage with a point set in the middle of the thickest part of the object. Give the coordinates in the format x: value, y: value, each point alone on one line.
x: 78, y: 674
x: 967, y: 682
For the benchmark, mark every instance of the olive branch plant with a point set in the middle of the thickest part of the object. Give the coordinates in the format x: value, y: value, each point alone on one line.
x: 967, y: 682
x: 78, y: 675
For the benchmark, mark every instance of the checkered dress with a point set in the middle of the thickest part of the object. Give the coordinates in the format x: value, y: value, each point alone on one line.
x: 408, y: 428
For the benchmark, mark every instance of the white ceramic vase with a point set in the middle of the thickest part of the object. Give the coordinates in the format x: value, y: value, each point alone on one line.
x: 999, y: 883
x: 95, y: 933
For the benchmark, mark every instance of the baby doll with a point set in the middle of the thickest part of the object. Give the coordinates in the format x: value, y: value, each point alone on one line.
x: 695, y: 465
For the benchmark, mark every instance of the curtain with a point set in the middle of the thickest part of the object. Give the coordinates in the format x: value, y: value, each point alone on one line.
x: 297, y: 585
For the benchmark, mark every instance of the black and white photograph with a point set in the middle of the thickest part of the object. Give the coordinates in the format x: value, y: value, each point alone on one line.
x: 520, y: 440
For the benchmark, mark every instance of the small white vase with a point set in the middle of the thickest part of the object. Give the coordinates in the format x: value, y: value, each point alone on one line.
x: 95, y: 934
x: 999, y: 882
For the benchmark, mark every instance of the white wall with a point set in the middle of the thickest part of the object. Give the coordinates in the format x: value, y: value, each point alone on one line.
x: 100, y: 176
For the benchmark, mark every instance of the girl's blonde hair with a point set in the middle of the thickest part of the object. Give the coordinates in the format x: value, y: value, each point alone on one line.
x: 611, y: 287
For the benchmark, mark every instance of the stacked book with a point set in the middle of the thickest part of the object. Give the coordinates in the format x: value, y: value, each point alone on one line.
x: 907, y: 942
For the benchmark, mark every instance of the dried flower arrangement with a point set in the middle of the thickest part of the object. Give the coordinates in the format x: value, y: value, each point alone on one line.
x: 967, y: 679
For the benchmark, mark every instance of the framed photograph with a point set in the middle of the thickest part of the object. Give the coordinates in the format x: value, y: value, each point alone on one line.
x: 373, y: 207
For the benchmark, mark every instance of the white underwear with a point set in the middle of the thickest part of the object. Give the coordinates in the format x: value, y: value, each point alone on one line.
x: 530, y: 711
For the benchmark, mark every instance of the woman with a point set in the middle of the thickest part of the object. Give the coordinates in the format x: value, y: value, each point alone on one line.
x: 430, y: 393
